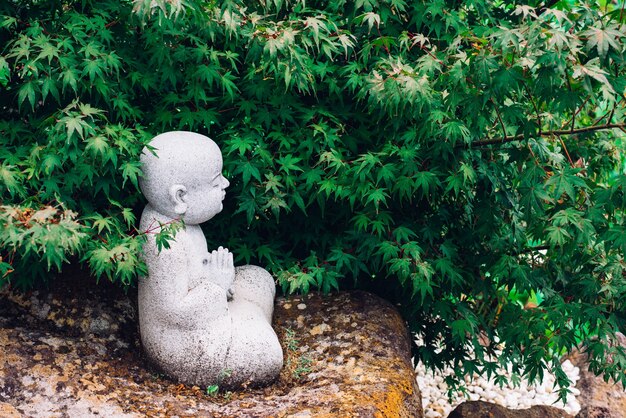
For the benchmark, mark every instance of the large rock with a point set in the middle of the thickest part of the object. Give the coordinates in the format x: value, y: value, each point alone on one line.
x: 76, y: 352
x: 598, y: 399
x: 480, y: 409
x: 596, y: 412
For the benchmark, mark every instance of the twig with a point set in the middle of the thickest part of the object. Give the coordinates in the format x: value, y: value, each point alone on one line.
x: 381, y: 35
x: 539, y: 121
x: 101, y: 238
x: 531, y: 152
x: 500, y: 120
x: 433, y: 56
x: 532, y: 100
x: 151, y: 230
x: 520, y: 137
x: 604, y: 116
x: 424, y: 48
x: 578, y: 111
x: 571, y: 163
x: 612, y: 112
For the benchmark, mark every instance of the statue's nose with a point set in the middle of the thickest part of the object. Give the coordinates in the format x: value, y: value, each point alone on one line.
x: 226, y: 182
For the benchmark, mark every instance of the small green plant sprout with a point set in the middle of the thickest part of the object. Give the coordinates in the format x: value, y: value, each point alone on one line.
x: 299, y: 365
x: 290, y: 340
x: 157, y: 376
x: 214, y: 389
x: 303, y: 367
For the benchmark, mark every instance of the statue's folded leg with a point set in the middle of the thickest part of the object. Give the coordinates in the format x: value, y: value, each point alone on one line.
x: 255, y: 285
x: 255, y: 354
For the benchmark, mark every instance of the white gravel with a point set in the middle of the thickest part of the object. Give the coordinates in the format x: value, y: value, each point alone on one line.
x: 435, y: 392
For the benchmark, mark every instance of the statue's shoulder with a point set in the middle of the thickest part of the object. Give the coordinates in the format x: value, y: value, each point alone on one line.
x: 150, y: 220
x: 153, y: 222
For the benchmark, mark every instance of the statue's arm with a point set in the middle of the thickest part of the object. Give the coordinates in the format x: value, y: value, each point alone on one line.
x: 168, y: 284
x: 202, y: 304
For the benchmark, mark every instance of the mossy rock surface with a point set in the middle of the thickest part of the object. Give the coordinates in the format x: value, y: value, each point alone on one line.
x: 598, y: 399
x: 480, y: 409
x: 75, y: 351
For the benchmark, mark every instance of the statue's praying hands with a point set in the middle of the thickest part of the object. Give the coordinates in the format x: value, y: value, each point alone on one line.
x: 219, y: 268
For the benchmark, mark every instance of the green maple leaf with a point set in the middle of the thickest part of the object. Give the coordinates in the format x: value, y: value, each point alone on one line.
x: 535, y: 198
x: 617, y: 234
x: 445, y: 267
x: 11, y: 178
x: 48, y: 51
x: 455, y: 130
x: 49, y: 86
x: 460, y: 328
x: 248, y: 171
x: 288, y: 163
x: 426, y: 181
x: 50, y: 162
x: 70, y: 79
x: 5, y: 72
x: 27, y: 91
x: 131, y: 170
x: 97, y: 145
x: 557, y: 236
x: 247, y: 204
x: 74, y: 124
x: 101, y: 223
x: 566, y: 181
x: 377, y: 196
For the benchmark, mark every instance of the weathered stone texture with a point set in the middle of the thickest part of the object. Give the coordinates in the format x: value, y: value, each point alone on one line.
x: 480, y: 409
x: 359, y: 350
x: 77, y: 353
x: 598, y: 399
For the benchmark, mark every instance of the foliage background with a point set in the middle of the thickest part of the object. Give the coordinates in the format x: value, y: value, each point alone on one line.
x: 468, y: 157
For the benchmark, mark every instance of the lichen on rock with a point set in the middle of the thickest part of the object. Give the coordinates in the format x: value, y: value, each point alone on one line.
x: 347, y: 354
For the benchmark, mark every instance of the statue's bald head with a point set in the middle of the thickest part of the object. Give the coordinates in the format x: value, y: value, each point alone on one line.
x: 182, y: 158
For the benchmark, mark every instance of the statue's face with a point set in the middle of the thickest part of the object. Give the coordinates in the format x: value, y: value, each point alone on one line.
x: 204, y: 199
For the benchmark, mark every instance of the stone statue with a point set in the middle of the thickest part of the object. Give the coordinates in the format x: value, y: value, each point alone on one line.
x: 202, y: 320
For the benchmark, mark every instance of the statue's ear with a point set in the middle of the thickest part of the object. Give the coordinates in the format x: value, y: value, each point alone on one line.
x: 178, y: 194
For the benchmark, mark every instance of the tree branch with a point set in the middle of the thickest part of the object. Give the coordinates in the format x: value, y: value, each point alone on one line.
x: 611, y: 113
x: 500, y: 120
x: 571, y: 163
x: 550, y: 133
x: 578, y: 111
x: 532, y: 100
